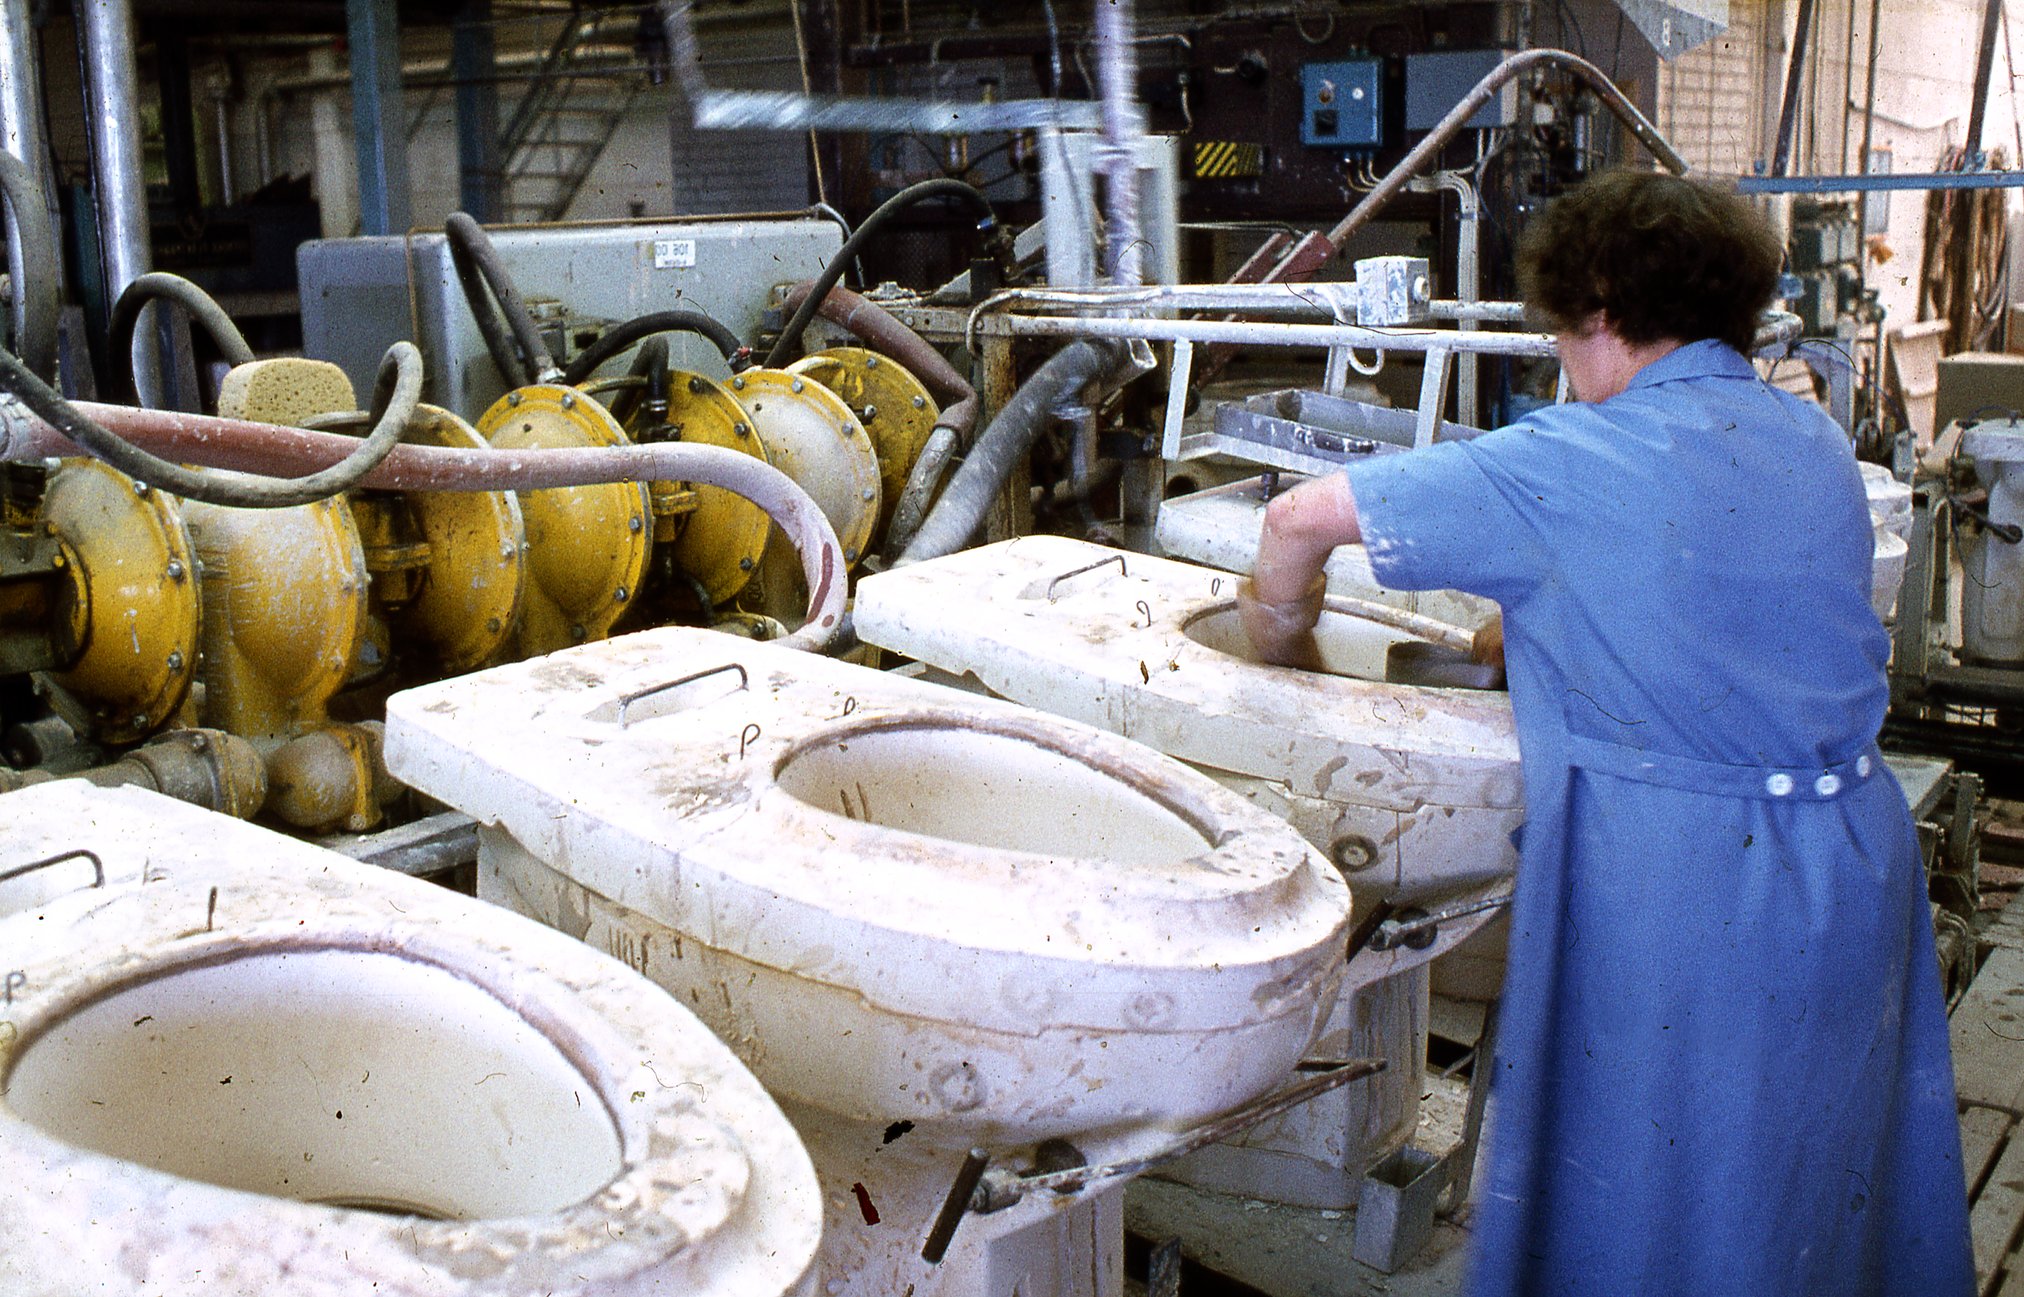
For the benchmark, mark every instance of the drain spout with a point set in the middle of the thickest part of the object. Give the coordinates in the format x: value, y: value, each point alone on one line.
x: 1099, y: 365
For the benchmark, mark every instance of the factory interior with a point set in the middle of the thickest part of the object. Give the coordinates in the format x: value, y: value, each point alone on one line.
x: 636, y: 682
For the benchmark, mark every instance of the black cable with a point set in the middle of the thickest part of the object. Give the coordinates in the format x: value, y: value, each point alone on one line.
x: 469, y: 243
x: 615, y: 340
x: 156, y: 286
x: 790, y: 337
x: 36, y: 304
x: 397, y: 391
x: 645, y: 382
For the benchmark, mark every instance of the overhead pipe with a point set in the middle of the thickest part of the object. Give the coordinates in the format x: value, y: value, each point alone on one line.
x: 1424, y: 152
x: 269, y: 449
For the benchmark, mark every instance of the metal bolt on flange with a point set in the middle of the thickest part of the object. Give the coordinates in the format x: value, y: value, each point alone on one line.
x: 744, y: 565
x: 871, y: 362
x: 175, y: 659
x: 1353, y: 853
x: 140, y: 488
x: 569, y: 400
x: 866, y: 494
x: 512, y: 398
x: 634, y: 525
x: 738, y: 382
x: 621, y: 594
x: 175, y: 569
x: 741, y: 430
x: 695, y: 386
x: 920, y: 402
x: 796, y: 386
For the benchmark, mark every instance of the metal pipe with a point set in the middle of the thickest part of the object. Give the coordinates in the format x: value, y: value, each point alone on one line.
x: 1281, y: 335
x: 1458, y: 118
x: 269, y: 449
x: 1985, y: 63
x: 1795, y: 69
x: 1468, y: 277
x: 22, y: 130
x: 1326, y: 298
x: 1117, y: 77
x: 1862, y: 164
x: 105, y: 47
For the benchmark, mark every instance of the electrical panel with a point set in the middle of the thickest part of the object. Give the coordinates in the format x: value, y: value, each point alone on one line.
x: 1342, y: 104
x: 1436, y: 82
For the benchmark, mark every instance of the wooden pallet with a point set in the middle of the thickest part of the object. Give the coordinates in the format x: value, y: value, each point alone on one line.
x: 1988, y: 1041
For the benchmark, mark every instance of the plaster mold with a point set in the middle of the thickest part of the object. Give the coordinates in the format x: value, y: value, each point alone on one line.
x: 250, y: 1066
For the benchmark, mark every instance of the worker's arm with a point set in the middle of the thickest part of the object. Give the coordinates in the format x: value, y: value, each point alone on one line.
x: 1281, y: 602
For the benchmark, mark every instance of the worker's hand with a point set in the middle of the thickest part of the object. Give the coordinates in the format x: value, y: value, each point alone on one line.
x: 1488, y: 647
x: 1282, y: 634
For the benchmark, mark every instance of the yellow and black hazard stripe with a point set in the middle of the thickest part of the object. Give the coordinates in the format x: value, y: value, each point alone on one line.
x: 1228, y: 160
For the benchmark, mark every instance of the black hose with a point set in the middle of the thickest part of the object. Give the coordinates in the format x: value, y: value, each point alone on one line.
x: 36, y: 304
x: 161, y: 286
x: 650, y: 363
x: 790, y: 337
x: 1100, y: 364
x: 479, y: 270
x: 398, y: 389
x: 617, y: 339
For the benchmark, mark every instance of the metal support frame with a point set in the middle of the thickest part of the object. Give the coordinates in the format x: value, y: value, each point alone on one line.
x: 480, y: 179
x: 379, y: 122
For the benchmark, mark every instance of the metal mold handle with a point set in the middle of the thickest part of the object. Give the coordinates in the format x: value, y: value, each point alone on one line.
x: 1086, y: 567
x: 97, y: 866
x: 653, y: 691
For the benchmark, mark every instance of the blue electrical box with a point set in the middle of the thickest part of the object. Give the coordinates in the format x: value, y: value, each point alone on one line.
x: 1341, y: 104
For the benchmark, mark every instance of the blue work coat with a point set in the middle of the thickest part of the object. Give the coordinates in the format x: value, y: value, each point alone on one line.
x: 1723, y: 1063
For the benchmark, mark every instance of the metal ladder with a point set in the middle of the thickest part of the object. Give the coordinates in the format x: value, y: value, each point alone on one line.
x: 566, y: 117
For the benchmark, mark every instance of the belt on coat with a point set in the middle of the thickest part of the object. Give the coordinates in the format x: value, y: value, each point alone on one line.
x: 1766, y: 783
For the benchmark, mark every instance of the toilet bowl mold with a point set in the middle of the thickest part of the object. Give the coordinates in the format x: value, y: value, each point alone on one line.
x: 866, y: 969
x: 712, y: 1193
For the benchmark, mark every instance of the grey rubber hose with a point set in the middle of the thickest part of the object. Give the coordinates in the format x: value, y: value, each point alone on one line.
x: 158, y: 285
x: 1100, y: 364
x: 480, y: 271
x: 36, y: 304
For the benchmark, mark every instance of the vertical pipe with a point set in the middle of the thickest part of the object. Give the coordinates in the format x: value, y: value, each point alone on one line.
x: 379, y: 125
x: 105, y: 46
x: 1117, y: 77
x: 1985, y: 62
x: 1788, y: 114
x: 1862, y: 163
x: 480, y: 183
x: 22, y: 131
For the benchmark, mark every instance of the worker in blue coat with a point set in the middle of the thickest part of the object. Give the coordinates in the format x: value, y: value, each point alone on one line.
x: 1723, y: 1063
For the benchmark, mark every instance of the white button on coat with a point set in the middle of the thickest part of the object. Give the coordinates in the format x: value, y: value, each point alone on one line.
x: 1779, y: 785
x: 1827, y: 785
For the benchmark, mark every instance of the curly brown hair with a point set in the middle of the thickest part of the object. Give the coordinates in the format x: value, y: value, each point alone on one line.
x: 1663, y: 258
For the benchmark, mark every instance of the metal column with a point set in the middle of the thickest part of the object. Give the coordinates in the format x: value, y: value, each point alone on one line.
x: 480, y: 183
x: 105, y: 45
x: 378, y: 122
